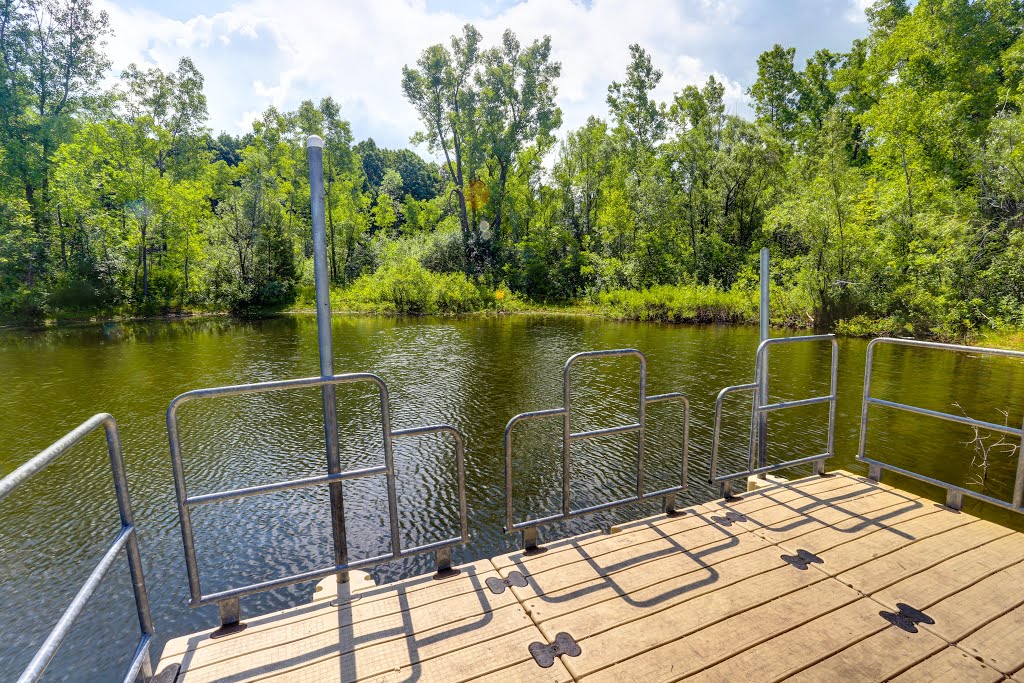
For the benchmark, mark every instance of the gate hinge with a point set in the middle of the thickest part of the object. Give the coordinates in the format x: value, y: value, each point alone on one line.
x: 545, y: 655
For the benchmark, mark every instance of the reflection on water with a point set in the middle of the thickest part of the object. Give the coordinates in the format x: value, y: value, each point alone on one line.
x: 474, y: 373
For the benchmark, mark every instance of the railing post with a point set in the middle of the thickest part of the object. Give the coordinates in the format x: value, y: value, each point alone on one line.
x: 315, y: 147
x: 762, y: 390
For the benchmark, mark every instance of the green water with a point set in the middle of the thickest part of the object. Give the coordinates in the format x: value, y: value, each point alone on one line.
x: 474, y: 373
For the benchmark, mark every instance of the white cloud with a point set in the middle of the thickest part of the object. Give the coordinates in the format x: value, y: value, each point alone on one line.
x: 258, y: 53
x: 856, y: 12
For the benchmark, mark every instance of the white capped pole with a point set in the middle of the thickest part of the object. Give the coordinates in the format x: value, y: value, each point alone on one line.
x: 762, y: 391
x: 315, y: 149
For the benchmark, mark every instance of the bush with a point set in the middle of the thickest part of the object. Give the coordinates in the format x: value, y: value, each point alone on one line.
x: 405, y: 287
x: 680, y: 304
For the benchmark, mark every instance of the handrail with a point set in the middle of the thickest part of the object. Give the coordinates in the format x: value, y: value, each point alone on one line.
x: 228, y: 600
x: 954, y: 494
x: 668, y: 495
x: 127, y: 539
x: 759, y: 387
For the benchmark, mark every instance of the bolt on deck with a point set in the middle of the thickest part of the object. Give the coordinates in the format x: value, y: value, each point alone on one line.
x: 676, y: 598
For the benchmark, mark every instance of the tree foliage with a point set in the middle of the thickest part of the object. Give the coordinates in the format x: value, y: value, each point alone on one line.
x: 888, y: 181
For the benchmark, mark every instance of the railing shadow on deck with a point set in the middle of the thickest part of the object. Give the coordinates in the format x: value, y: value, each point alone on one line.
x: 803, y: 514
x: 703, y: 556
x: 348, y: 642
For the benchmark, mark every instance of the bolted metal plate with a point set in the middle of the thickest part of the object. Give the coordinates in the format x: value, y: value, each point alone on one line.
x: 803, y: 559
x: 497, y: 585
x: 907, y: 618
x: 729, y: 518
x: 545, y: 655
x: 899, y: 621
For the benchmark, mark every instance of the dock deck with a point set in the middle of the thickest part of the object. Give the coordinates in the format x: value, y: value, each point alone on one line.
x: 787, y: 582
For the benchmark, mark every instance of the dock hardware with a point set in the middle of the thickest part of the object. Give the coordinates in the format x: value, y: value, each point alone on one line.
x: 498, y: 585
x: 228, y: 600
x: 545, y: 655
x: 729, y: 518
x: 803, y: 559
x: 907, y: 618
x: 668, y: 495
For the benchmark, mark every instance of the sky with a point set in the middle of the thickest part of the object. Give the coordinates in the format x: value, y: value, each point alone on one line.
x: 257, y: 53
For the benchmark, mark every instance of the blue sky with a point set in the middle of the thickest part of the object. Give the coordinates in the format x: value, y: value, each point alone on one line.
x: 256, y: 53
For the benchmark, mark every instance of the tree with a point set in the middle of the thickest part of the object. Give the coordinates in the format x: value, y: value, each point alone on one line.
x: 639, y: 119
x: 443, y: 92
x: 51, y: 63
x: 775, y: 90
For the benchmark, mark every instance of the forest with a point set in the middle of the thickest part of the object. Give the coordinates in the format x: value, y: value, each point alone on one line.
x: 888, y: 182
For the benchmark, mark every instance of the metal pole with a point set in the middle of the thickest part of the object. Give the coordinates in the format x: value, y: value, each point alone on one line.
x: 315, y: 147
x: 762, y: 392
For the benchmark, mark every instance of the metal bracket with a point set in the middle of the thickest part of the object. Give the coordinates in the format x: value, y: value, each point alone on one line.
x: 545, y: 655
x: 729, y: 518
x: 230, y: 618
x: 954, y: 500
x: 443, y: 559
x: 727, y: 489
x: 530, y: 541
x: 497, y: 585
x: 874, y: 472
x: 907, y: 618
x: 803, y: 559
x: 669, y: 506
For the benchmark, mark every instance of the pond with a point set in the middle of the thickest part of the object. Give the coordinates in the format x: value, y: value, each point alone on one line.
x: 474, y: 373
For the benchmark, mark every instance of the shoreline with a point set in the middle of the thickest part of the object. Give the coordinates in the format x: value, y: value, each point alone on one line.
x: 1012, y: 338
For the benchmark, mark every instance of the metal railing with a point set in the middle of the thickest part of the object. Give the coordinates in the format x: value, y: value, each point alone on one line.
x: 529, y: 527
x: 756, y: 458
x: 954, y: 494
x: 126, y: 539
x: 228, y: 600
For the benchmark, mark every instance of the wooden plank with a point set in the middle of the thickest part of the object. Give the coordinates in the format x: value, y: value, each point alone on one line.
x: 657, y: 532
x: 1000, y: 644
x: 928, y: 587
x: 654, y: 528
x: 470, y: 661
x: 876, y: 574
x: 372, y: 657
x: 951, y: 665
x: 580, y: 567
x: 877, y: 658
x: 641, y: 655
x: 369, y: 603
x: 968, y: 610
x: 649, y: 582
x: 869, y: 512
x: 790, y: 652
x: 739, y: 586
x: 867, y: 542
x: 815, y: 511
x: 342, y: 629
x: 528, y: 672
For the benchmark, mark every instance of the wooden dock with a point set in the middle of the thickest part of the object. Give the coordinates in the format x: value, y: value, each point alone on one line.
x: 831, y: 578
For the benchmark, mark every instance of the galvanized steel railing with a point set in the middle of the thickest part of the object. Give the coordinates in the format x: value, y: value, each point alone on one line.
x: 228, y: 600
x: 126, y: 539
x: 529, y: 527
x: 759, y: 387
x: 954, y: 494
